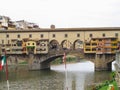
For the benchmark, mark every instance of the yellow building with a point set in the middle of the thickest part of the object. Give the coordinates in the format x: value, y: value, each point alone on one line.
x: 31, y: 46
x: 103, y: 45
x: 67, y: 38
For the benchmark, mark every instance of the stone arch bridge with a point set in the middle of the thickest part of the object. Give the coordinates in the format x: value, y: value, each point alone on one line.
x: 59, y: 41
x: 42, y: 61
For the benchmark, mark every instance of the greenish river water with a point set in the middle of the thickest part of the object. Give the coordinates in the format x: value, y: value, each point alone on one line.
x: 79, y: 77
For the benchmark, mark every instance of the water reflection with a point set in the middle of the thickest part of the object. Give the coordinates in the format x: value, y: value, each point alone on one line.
x: 35, y: 80
x: 79, y: 76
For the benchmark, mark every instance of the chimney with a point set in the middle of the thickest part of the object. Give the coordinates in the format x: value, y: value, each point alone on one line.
x: 52, y: 26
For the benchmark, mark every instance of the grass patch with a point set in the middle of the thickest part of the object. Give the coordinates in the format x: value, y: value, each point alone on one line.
x: 60, y: 60
x: 24, y: 62
x: 106, y: 84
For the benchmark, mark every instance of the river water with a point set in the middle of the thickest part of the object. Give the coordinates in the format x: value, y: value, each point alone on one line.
x: 79, y: 77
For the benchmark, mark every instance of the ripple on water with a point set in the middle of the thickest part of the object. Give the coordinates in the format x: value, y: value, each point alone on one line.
x: 78, y: 76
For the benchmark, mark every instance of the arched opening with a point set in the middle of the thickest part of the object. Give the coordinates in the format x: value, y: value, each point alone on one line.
x: 113, y: 66
x: 78, y: 44
x: 73, y: 65
x: 54, y: 45
x: 66, y: 44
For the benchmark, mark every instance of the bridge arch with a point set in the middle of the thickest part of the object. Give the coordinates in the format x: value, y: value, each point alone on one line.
x: 78, y: 44
x: 66, y: 44
x: 54, y: 44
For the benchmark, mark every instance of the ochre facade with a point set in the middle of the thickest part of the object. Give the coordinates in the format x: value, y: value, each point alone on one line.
x: 67, y: 38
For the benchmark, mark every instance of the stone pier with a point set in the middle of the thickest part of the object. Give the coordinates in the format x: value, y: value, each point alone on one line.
x: 101, y: 63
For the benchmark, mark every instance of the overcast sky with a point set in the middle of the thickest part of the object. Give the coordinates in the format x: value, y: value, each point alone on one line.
x: 64, y: 13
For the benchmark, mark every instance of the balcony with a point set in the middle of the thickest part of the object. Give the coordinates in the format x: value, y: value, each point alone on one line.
x: 99, y: 52
x: 107, y: 41
x: 107, y: 46
x: 94, y: 41
x: 89, y: 51
x: 41, y: 52
x: 114, y: 42
x: 94, y: 46
x: 15, y: 52
x: 114, y: 47
x: 16, y: 47
x: 108, y: 52
x: 89, y: 47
